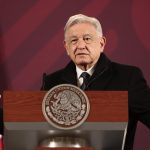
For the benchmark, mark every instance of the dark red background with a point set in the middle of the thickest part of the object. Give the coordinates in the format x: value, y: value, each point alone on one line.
x: 31, y: 40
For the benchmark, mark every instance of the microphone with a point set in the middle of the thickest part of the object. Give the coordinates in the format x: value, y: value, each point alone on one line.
x: 43, y: 81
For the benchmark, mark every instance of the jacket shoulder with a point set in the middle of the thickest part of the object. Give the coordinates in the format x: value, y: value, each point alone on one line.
x: 127, y: 69
x: 126, y: 73
x: 124, y: 66
x: 54, y: 75
x: 51, y: 80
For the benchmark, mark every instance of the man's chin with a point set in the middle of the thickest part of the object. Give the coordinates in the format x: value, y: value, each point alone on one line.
x: 83, y: 63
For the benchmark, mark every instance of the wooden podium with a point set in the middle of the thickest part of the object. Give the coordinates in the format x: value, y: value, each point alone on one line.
x: 25, y: 125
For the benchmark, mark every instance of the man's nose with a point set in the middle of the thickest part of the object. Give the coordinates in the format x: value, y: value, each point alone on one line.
x: 81, y: 43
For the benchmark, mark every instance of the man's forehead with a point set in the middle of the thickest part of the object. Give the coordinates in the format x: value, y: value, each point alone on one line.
x: 81, y: 29
x: 84, y: 35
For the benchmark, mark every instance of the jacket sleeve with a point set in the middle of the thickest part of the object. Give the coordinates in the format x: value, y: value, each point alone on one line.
x: 139, y: 97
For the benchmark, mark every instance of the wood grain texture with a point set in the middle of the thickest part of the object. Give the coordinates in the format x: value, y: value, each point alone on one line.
x: 26, y: 106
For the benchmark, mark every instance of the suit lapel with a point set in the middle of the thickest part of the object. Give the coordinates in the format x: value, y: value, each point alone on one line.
x: 69, y: 74
x: 103, y: 73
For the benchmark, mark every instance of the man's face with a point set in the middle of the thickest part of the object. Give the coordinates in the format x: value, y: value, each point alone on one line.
x: 84, y: 45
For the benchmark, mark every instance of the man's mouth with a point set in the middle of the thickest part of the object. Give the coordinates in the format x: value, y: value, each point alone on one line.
x: 81, y: 54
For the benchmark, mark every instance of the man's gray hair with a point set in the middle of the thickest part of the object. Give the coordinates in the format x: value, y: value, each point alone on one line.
x: 80, y: 18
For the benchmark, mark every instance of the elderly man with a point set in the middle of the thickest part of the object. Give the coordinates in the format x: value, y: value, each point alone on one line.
x: 84, y: 43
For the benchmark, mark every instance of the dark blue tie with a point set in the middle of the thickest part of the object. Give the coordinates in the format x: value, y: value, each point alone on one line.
x: 85, y: 77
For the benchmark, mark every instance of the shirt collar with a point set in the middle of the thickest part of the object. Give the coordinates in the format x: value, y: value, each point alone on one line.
x: 89, y: 71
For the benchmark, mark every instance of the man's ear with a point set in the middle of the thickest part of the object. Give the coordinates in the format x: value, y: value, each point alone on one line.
x: 102, y: 41
x: 66, y: 47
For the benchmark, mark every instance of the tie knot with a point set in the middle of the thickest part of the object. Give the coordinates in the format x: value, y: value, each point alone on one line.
x: 85, y: 75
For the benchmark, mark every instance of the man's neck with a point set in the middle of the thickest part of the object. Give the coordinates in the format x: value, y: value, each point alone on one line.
x: 84, y: 67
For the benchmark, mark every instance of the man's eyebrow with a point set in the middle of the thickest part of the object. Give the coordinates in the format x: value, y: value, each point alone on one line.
x: 74, y: 36
x: 87, y: 35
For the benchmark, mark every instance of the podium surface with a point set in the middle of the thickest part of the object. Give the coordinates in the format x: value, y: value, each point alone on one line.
x: 103, y: 129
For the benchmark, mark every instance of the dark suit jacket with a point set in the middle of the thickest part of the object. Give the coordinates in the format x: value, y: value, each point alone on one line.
x: 109, y: 75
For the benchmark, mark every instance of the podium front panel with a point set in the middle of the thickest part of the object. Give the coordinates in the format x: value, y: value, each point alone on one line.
x: 25, y: 125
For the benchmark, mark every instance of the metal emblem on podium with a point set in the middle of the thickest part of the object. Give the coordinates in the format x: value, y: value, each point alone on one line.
x: 65, y: 106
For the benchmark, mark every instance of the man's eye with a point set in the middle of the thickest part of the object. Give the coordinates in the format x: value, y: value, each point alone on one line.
x: 73, y: 41
x: 87, y: 39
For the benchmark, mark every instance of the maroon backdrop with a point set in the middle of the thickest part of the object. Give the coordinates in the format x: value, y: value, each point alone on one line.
x: 31, y: 39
